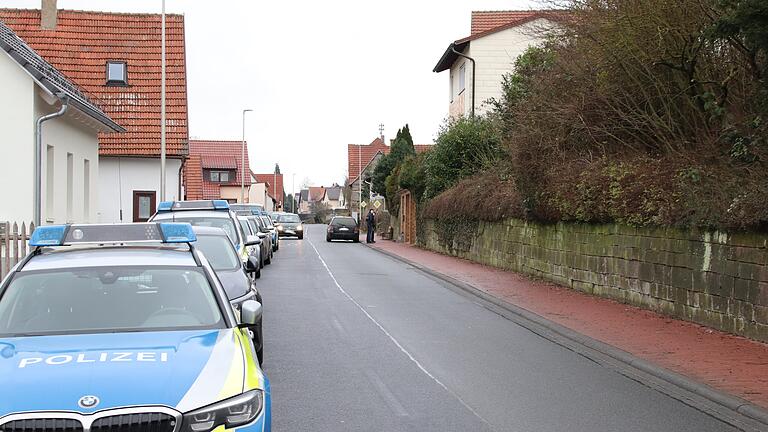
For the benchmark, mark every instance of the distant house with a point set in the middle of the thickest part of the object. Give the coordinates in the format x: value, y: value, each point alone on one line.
x: 304, y: 201
x: 497, y: 38
x: 334, y: 197
x: 32, y: 88
x: 215, y: 171
x: 116, y: 57
x: 276, y: 191
x: 362, y: 160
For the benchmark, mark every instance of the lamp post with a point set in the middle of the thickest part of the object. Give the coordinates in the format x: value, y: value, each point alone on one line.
x: 293, y: 192
x: 242, y: 162
x: 162, y: 105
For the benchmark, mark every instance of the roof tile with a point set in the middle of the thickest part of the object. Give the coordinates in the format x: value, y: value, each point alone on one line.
x: 80, y: 47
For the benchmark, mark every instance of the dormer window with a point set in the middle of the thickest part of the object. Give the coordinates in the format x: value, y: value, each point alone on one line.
x: 117, y: 73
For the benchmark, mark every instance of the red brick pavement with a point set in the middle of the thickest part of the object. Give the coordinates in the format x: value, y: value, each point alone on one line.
x: 726, y: 362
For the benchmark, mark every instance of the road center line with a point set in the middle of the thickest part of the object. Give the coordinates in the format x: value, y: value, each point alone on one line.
x: 392, y: 338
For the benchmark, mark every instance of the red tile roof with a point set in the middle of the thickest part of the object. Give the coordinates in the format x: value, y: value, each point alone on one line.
x: 359, y: 156
x: 483, y: 21
x: 275, y: 185
x: 366, y: 153
x: 193, y: 178
x: 316, y: 193
x: 80, y: 47
x: 218, y: 151
x: 219, y: 162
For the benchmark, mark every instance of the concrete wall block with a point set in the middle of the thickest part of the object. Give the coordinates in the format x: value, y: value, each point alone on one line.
x: 682, y: 278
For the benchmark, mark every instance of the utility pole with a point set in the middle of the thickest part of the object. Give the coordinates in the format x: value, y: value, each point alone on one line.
x: 293, y: 192
x: 162, y: 105
x: 242, y: 161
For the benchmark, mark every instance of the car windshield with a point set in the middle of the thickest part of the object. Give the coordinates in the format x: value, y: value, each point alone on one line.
x: 218, y: 251
x: 224, y: 223
x: 247, y: 228
x: 254, y: 226
x: 108, y: 299
x: 344, y: 221
x: 267, y: 221
x: 290, y: 218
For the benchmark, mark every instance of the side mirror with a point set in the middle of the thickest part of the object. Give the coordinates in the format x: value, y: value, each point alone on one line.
x: 265, y: 230
x: 251, y: 265
x: 261, y: 235
x: 252, y: 240
x: 250, y: 313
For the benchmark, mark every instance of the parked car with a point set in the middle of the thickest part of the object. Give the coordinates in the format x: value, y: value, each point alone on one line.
x: 258, y: 225
x: 343, y: 228
x: 265, y: 247
x: 233, y: 275
x: 289, y: 225
x: 258, y: 210
x: 132, y: 314
x: 273, y: 230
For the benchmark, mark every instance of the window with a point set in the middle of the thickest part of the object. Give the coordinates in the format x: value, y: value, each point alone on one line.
x: 143, y: 205
x: 219, y: 252
x: 86, y: 190
x: 220, y: 176
x: 70, y: 184
x: 462, y: 77
x: 49, y: 163
x: 117, y: 73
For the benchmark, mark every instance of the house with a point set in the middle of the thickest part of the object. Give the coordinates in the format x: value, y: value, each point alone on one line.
x: 362, y: 160
x: 276, y: 191
x: 69, y: 144
x: 497, y: 38
x: 259, y: 194
x: 334, y: 197
x: 116, y: 57
x: 304, y: 201
x: 215, y: 171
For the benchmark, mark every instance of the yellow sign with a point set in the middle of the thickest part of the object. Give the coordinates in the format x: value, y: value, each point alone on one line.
x: 363, y: 204
x: 377, y: 204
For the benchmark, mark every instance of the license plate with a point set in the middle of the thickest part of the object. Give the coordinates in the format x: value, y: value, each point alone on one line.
x: 343, y: 229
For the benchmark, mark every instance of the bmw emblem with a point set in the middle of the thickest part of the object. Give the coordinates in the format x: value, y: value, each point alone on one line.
x: 88, y: 401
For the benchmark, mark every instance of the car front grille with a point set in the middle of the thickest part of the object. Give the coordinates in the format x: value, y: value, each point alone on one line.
x: 42, y: 425
x: 139, y: 422
x: 103, y: 422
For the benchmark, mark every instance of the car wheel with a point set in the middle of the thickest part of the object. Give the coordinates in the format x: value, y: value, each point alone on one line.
x: 268, y: 261
x: 301, y: 236
x: 257, y: 275
x: 328, y: 238
x: 357, y: 240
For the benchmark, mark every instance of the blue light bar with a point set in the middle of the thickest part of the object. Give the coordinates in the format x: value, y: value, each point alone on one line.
x: 165, y: 206
x: 176, y: 232
x: 220, y: 205
x: 50, y: 235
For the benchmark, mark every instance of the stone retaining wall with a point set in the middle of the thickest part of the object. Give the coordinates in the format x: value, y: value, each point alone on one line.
x: 712, y: 278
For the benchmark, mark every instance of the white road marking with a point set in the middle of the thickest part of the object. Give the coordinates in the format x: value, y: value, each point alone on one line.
x: 392, y: 338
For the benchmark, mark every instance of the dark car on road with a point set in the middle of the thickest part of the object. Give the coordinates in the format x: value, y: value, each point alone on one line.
x: 343, y: 228
x: 289, y: 225
x: 233, y: 275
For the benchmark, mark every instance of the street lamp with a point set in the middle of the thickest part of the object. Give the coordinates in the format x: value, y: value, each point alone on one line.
x: 242, y: 162
x: 293, y: 192
x: 162, y: 106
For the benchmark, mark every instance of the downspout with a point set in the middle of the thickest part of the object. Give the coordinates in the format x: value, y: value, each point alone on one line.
x: 181, y: 178
x: 38, y: 196
x: 473, y: 76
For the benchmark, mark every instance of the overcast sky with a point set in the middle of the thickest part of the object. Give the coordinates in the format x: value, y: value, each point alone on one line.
x: 318, y: 74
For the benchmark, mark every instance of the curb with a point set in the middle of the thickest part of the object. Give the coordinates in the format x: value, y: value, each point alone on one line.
x: 536, y: 323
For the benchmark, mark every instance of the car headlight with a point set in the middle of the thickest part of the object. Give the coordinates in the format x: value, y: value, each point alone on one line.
x: 230, y: 413
x: 299, y: 228
x: 280, y: 228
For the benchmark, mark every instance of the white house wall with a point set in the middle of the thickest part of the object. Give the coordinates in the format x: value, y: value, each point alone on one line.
x: 16, y: 142
x: 119, y: 177
x: 495, y: 55
x: 72, y: 138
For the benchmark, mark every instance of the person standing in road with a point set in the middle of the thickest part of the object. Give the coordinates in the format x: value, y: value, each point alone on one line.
x: 370, y: 223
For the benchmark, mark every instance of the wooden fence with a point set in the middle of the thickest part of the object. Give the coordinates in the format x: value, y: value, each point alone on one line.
x: 13, y: 244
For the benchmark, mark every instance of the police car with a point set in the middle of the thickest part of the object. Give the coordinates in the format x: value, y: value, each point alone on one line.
x: 125, y: 328
x: 217, y: 214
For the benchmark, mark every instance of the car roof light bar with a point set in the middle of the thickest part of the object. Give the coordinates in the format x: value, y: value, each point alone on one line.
x: 168, y: 206
x: 64, y: 235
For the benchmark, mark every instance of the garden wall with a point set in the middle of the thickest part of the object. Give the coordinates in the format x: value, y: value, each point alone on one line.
x: 712, y: 278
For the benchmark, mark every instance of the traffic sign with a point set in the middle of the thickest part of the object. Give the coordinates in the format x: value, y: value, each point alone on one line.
x: 377, y: 204
x: 363, y: 204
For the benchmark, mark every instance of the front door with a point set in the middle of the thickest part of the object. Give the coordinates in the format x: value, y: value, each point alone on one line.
x: 143, y: 205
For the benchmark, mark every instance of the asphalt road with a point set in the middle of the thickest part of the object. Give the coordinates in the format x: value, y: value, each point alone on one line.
x: 357, y: 341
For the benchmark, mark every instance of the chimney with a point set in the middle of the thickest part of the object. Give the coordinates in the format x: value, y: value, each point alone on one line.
x: 48, y: 15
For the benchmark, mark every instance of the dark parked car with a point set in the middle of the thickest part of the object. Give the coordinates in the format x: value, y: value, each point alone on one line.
x: 289, y: 224
x: 343, y: 228
x: 265, y: 241
x: 221, y: 255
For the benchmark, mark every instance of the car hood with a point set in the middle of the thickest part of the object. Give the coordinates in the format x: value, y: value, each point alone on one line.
x: 290, y: 225
x: 235, y: 283
x: 179, y: 369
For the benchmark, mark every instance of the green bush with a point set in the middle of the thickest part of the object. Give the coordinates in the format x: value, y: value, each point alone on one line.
x: 462, y: 148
